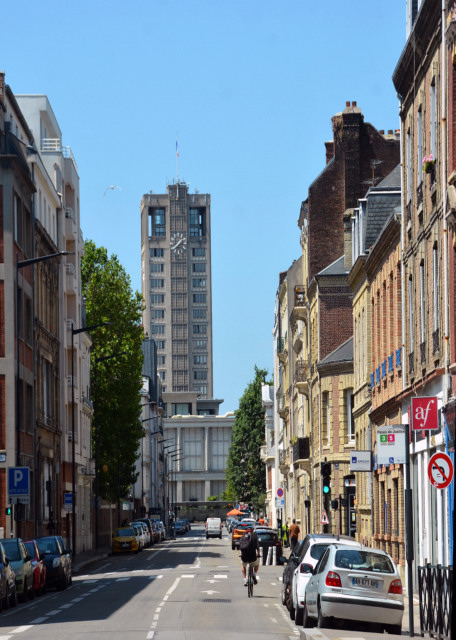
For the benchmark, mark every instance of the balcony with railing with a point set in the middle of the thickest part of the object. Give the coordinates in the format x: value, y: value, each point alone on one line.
x: 282, y: 404
x: 54, y: 145
x: 282, y: 351
x: 284, y: 461
x: 301, y: 376
x: 301, y: 451
x: 300, y: 308
x: 71, y: 281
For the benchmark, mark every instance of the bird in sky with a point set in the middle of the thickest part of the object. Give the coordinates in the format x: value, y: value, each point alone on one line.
x: 112, y: 187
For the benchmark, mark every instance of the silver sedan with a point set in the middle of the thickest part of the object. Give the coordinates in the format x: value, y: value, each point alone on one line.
x: 355, y: 584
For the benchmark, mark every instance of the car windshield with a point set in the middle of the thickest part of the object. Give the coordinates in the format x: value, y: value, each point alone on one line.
x: 317, y: 550
x: 363, y: 560
x: 48, y: 545
x: 12, y: 550
x: 265, y: 535
x: 30, y: 549
x: 125, y: 533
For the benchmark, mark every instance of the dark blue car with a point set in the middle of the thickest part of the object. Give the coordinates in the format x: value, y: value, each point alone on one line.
x: 57, y: 560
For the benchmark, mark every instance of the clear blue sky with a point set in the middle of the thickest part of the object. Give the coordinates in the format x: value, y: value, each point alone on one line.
x: 249, y: 87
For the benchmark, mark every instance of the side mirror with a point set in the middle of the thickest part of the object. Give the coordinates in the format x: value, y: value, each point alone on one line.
x: 305, y: 568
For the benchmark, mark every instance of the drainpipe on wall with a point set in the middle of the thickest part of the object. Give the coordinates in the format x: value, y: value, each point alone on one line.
x: 446, y: 384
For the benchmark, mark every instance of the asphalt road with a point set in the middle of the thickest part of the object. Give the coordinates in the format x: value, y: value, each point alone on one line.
x: 189, y: 588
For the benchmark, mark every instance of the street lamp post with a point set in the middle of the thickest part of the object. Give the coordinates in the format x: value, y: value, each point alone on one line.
x: 73, y: 450
x: 20, y: 264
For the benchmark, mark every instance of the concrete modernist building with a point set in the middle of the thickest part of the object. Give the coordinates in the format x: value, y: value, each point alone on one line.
x: 176, y: 286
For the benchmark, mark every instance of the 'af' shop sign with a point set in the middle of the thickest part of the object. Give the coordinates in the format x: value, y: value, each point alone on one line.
x: 425, y: 415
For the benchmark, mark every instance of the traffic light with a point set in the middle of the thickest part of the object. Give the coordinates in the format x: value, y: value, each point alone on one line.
x: 335, y: 504
x: 7, y: 511
x: 325, y: 469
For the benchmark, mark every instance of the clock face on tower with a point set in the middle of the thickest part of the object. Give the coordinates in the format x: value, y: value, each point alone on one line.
x: 178, y: 243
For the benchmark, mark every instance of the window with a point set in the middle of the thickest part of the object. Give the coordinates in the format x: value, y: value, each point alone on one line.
x: 419, y: 133
x: 181, y: 409
x: 433, y: 120
x: 200, y: 374
x: 200, y: 328
x: 192, y: 444
x: 411, y: 318
x: 158, y: 313
x: 157, y: 329
x: 157, y: 221
x: 160, y: 344
x: 157, y: 253
x: 200, y: 344
x: 197, y: 222
x: 198, y: 252
x: 200, y: 389
x: 326, y: 419
x: 157, y: 298
x: 157, y: 267
x: 157, y: 283
x: 349, y: 397
x: 199, y: 267
x: 200, y: 313
x: 201, y: 359
x: 435, y: 287
x: 162, y: 375
x: 199, y: 297
x: 220, y: 441
x: 422, y: 304
x: 161, y: 360
x: 199, y: 283
x: 409, y: 166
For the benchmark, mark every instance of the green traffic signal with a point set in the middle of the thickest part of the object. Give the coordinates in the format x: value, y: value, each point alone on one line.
x: 7, y: 511
x: 325, y: 489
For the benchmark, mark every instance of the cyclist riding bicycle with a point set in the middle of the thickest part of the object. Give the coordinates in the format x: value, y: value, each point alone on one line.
x: 250, y: 553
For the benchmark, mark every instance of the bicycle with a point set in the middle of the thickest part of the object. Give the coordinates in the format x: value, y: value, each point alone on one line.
x: 250, y: 582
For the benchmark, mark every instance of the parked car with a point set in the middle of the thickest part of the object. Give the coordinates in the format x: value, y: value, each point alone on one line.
x: 145, y: 535
x: 57, y: 560
x: 162, y: 530
x: 8, y: 593
x: 355, y: 584
x: 21, y: 564
x: 318, y: 540
x: 303, y: 572
x: 125, y: 540
x: 268, y: 538
x: 180, y: 527
x: 156, y: 531
x: 148, y: 523
x: 139, y: 534
x: 238, y: 531
x: 213, y: 528
x: 39, y: 568
x: 188, y: 523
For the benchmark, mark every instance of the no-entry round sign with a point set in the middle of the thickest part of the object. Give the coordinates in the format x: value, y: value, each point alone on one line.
x: 440, y: 470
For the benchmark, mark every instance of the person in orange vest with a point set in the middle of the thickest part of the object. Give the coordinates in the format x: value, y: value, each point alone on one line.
x: 261, y: 520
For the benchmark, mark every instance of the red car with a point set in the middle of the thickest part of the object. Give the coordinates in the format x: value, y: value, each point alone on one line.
x: 39, y: 568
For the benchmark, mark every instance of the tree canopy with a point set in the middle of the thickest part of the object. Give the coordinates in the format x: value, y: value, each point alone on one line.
x: 116, y: 363
x: 245, y: 472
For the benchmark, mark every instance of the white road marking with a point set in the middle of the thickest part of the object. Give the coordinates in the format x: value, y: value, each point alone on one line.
x: 122, y: 579
x: 77, y: 599
x: 150, y: 635
x: 187, y: 575
x: 53, y: 613
x: 209, y: 593
x: 173, y: 586
x: 24, y: 627
x: 220, y: 576
x: 5, y: 637
x: 91, y: 581
x: 66, y: 606
x: 38, y: 620
x: 156, y: 616
x: 274, y: 620
x: 157, y: 610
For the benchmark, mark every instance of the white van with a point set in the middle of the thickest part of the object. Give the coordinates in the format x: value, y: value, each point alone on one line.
x: 214, y: 528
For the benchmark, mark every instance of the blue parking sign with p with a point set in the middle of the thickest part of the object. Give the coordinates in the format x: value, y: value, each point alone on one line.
x: 18, y: 482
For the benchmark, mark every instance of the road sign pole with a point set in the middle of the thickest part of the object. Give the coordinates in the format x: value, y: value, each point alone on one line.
x: 409, y: 554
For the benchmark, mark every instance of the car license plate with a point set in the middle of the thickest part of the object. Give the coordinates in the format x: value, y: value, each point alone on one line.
x: 365, y: 582
x: 125, y: 545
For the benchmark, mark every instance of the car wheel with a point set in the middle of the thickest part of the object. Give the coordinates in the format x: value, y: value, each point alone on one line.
x: 394, y: 629
x: 292, y: 610
x: 220, y: 536
x: 287, y: 597
x: 298, y: 616
x: 322, y: 622
x: 306, y: 621
x: 13, y: 597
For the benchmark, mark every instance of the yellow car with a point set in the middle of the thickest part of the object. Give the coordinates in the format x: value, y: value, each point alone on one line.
x: 125, y: 540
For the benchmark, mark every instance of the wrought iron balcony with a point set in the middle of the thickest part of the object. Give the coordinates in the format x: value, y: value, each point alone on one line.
x: 301, y: 376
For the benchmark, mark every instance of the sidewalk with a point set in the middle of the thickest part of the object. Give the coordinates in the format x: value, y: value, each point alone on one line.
x: 83, y: 560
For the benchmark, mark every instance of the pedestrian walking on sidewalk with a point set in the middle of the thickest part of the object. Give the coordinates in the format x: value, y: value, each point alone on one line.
x: 294, y: 534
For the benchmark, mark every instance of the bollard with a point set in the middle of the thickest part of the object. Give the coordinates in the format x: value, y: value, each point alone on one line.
x: 269, y: 561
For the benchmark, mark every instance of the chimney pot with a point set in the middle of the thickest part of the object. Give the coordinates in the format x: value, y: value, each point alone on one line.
x: 390, y: 132
x: 347, y: 104
x: 353, y: 104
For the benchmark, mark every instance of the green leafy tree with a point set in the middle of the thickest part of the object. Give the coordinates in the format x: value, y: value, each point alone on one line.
x: 245, y: 472
x: 116, y: 363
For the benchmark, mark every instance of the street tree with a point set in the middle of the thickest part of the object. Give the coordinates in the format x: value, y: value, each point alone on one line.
x: 116, y: 365
x: 245, y: 473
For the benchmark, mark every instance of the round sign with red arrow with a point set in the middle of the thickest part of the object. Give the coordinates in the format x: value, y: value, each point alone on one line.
x: 440, y: 470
